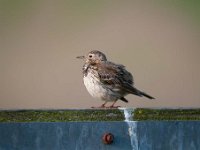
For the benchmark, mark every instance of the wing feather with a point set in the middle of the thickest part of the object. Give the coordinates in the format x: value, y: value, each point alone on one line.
x: 115, y: 75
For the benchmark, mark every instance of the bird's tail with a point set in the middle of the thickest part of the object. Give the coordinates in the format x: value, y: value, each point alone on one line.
x: 133, y: 90
x: 124, y: 100
x: 146, y: 95
x: 140, y: 93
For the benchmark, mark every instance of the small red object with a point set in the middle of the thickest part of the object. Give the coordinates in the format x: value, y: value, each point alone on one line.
x: 108, y: 138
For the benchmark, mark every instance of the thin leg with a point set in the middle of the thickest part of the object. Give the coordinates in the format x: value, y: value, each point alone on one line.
x: 112, y: 106
x: 102, y: 106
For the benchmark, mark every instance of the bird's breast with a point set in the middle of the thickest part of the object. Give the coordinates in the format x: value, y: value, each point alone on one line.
x: 93, y: 85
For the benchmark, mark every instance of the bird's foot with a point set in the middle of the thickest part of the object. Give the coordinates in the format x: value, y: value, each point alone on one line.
x: 102, y: 106
x: 107, y: 107
x: 98, y: 107
x: 113, y: 107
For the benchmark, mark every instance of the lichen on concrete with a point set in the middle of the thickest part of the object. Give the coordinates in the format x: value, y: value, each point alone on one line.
x: 140, y: 114
x: 61, y: 115
x: 166, y: 114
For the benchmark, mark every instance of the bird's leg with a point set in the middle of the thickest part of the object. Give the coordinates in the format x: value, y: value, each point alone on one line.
x: 102, y: 106
x: 112, y: 106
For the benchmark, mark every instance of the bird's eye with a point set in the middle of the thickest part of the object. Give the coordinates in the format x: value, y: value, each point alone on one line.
x: 90, y: 56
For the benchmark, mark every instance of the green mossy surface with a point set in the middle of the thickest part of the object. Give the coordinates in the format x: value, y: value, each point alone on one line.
x: 61, y: 115
x: 140, y: 114
x: 166, y: 114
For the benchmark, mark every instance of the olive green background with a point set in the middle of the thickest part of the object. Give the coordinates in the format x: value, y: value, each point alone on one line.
x: 158, y: 41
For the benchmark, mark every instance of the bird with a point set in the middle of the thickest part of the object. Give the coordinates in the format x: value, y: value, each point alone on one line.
x: 107, y: 80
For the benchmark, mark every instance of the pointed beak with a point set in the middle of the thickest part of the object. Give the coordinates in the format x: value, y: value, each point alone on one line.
x: 80, y: 57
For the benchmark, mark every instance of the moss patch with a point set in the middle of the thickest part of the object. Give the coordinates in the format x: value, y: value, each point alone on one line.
x: 140, y: 114
x: 166, y: 114
x: 61, y: 115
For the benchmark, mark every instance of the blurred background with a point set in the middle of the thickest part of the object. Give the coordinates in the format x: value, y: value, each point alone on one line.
x: 158, y: 42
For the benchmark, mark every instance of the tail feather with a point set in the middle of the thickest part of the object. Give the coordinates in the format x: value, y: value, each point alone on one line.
x: 133, y: 90
x: 140, y: 93
x: 124, y: 100
x: 146, y: 95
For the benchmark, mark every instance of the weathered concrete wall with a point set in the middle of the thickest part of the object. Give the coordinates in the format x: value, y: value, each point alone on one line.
x: 151, y: 135
x: 63, y: 136
x: 168, y: 135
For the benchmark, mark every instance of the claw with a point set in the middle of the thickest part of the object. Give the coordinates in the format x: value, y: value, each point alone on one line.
x: 102, y: 106
x: 109, y: 107
x: 99, y: 107
x: 114, y: 106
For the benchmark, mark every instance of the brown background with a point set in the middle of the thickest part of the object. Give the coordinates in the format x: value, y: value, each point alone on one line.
x: 39, y: 40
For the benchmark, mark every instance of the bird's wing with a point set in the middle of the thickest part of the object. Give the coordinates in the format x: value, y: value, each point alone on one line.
x: 115, y: 75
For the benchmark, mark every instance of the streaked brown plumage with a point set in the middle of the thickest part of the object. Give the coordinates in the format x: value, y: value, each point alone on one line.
x: 107, y: 80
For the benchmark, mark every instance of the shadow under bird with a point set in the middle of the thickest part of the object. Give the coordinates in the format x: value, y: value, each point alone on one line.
x: 106, y: 80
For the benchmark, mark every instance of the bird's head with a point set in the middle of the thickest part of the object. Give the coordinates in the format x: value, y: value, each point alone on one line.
x: 93, y: 57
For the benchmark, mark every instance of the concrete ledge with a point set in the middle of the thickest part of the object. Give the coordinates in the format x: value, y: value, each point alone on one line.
x: 61, y: 115
x: 84, y: 129
x: 166, y: 114
x: 97, y: 115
